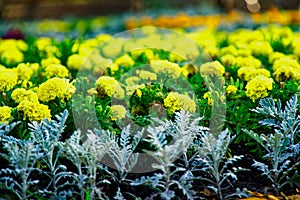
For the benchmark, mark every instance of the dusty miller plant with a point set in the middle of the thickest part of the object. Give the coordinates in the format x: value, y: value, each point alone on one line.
x: 167, y: 180
x: 212, y: 161
x: 22, y: 156
x: 46, y: 135
x: 122, y: 153
x: 282, y: 152
x: 85, y: 151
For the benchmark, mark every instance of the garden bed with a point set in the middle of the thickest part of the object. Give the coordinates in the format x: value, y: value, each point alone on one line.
x: 152, y: 112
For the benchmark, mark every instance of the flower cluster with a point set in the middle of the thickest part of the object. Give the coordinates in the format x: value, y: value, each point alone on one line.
x: 175, y: 102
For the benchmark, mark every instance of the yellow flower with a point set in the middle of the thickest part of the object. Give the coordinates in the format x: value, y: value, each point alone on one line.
x: 24, y: 71
x: 21, y: 94
x: 214, y: 68
x: 148, y: 53
x: 146, y: 75
x: 76, y: 61
x: 34, y: 110
x: 248, y: 73
x: 134, y: 88
x: 56, y: 70
x: 260, y: 48
x: 5, y: 114
x: 125, y: 61
x: 42, y: 43
x: 207, y: 96
x: 131, y: 81
x: 118, y: 112
x: 166, y: 67
x: 188, y: 70
x: 56, y: 87
x: 50, y: 60
x: 174, y: 57
x: 231, y: 90
x: 227, y: 59
x: 12, y: 56
x: 109, y: 86
x: 12, y: 44
x: 249, y: 61
x: 175, y: 102
x: 286, y: 68
x: 8, y: 79
x: 258, y: 87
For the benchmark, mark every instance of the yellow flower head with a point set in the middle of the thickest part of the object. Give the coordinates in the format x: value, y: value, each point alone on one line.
x: 165, y: 67
x: 5, y: 114
x: 248, y: 73
x: 56, y: 87
x: 189, y: 70
x: 34, y: 110
x: 258, y: 87
x: 118, y: 112
x: 207, y: 96
x: 8, y: 79
x: 146, y: 75
x: 76, y: 61
x: 24, y: 71
x: 12, y: 56
x: 249, y: 61
x: 286, y: 68
x: 56, y: 70
x: 50, y: 60
x: 42, y: 43
x: 261, y: 48
x: 109, y: 86
x: 125, y: 61
x: 21, y: 94
x: 148, y: 53
x: 231, y: 90
x: 175, y: 102
x: 214, y: 68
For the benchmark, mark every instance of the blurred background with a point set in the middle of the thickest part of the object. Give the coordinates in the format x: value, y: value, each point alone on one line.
x: 39, y: 9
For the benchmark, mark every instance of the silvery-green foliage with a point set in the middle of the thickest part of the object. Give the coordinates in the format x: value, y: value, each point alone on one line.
x: 22, y: 156
x: 122, y: 152
x: 86, y: 152
x: 282, y: 152
x: 46, y: 135
x: 183, y: 130
x: 212, y: 161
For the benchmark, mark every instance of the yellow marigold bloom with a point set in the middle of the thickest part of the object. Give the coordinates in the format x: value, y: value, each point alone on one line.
x: 249, y: 61
x: 165, y: 67
x: 248, y: 73
x: 146, y: 75
x: 8, y: 79
x: 214, y: 68
x: 131, y: 80
x: 24, y: 71
x: 76, y: 61
x: 125, y: 61
x: 275, y: 56
x: 109, y: 86
x: 287, y: 62
x: 261, y: 48
x: 102, y: 37
x: 56, y: 70
x: 34, y: 110
x: 21, y: 94
x: 42, y: 43
x: 189, y: 70
x: 175, y: 102
x: 227, y: 59
x: 56, y: 87
x: 13, y: 44
x: 118, y: 112
x: 12, y: 56
x: 284, y: 73
x: 134, y: 88
x: 174, y: 57
x: 5, y: 114
x: 50, y: 60
x: 207, y: 95
x: 231, y: 90
x: 258, y: 87
x: 148, y: 53
x: 230, y: 50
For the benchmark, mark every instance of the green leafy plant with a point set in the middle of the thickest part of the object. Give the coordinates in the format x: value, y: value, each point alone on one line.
x: 282, y: 150
x: 212, y: 161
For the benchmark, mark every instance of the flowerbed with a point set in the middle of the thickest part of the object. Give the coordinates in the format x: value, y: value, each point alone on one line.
x: 151, y: 113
